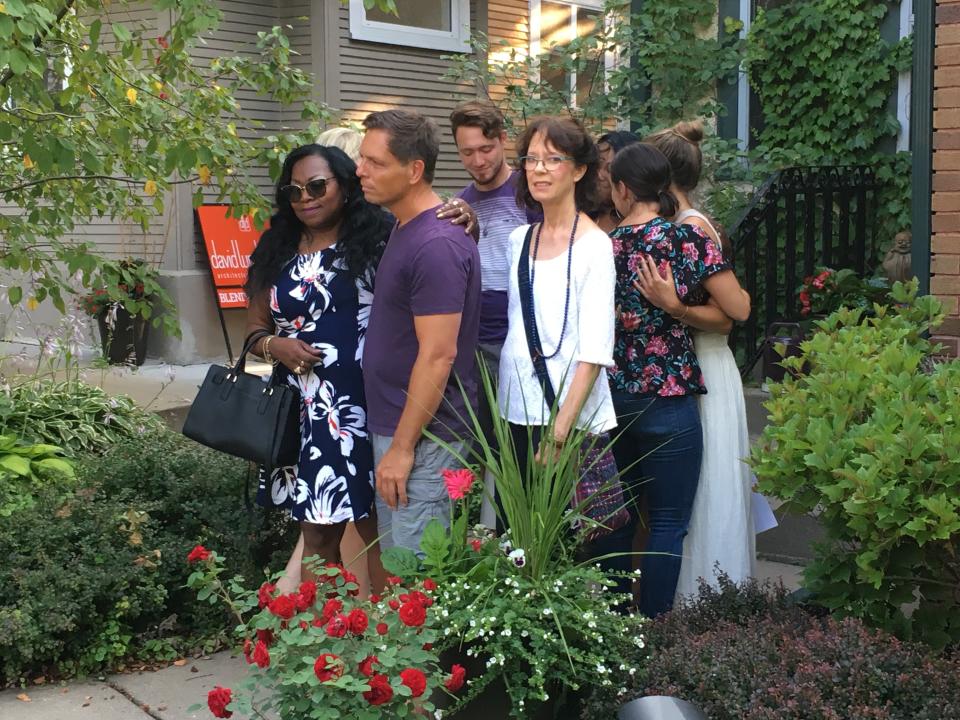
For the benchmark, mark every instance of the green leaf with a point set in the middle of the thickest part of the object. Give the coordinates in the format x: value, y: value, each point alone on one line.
x: 15, y: 464
x: 15, y: 294
x: 401, y: 562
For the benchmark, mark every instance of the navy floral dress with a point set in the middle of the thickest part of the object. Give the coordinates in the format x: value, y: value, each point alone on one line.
x: 653, y: 352
x: 316, y: 300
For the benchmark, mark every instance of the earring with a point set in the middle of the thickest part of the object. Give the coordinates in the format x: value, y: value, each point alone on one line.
x: 345, y: 200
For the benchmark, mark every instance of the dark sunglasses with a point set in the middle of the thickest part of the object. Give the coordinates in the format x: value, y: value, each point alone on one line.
x: 316, y: 189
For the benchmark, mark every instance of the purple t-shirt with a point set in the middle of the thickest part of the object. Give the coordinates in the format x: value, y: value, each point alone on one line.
x: 499, y: 215
x: 429, y: 267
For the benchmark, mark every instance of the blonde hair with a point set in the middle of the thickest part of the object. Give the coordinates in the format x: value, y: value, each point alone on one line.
x: 346, y: 139
x: 681, y: 145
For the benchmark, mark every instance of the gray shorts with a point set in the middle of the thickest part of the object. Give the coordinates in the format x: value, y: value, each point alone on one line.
x: 426, y: 493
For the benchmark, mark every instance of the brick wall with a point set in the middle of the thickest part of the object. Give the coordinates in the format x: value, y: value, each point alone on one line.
x: 945, y: 243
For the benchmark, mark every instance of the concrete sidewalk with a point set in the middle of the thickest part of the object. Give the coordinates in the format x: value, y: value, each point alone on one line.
x: 166, y: 694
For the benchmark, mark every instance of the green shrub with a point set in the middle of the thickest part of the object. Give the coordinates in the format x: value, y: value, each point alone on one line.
x: 873, y: 443
x: 24, y: 469
x: 99, y: 578
x: 77, y: 417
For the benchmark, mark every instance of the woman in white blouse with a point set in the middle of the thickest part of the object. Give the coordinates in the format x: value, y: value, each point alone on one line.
x: 569, y: 263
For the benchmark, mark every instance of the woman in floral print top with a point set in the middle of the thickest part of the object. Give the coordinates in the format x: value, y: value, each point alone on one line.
x: 657, y: 378
x: 654, y: 351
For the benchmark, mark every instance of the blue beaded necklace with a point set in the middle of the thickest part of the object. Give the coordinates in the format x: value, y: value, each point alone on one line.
x: 566, y: 302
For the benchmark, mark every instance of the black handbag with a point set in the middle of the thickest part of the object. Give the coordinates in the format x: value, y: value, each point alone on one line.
x: 240, y: 414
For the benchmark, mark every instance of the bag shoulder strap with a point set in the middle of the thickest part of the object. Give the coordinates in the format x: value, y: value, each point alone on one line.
x: 530, y: 321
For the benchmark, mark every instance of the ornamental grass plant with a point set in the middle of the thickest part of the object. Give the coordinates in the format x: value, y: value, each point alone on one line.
x: 526, y: 604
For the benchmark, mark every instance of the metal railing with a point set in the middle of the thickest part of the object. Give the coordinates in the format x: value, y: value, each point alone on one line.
x: 799, y: 219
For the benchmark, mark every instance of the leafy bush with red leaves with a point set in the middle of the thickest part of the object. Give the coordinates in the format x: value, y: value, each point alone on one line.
x: 748, y: 653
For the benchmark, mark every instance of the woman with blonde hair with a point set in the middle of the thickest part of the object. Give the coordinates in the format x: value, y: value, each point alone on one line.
x: 721, y: 533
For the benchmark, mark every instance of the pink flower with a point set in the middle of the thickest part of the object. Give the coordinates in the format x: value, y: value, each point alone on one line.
x: 690, y: 250
x: 629, y: 320
x: 458, y: 482
x: 656, y: 346
x: 714, y: 255
x: 671, y: 388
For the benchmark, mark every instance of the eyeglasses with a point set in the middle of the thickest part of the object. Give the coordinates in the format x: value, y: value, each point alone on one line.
x: 316, y: 189
x: 550, y: 162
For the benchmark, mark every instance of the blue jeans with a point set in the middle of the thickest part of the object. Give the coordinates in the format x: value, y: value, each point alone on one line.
x: 658, y: 447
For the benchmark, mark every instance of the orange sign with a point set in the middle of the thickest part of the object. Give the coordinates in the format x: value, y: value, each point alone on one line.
x: 229, y: 242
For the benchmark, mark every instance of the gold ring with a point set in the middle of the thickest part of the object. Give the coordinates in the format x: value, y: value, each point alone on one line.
x: 299, y: 369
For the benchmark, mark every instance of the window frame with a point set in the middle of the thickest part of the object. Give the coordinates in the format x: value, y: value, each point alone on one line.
x: 536, y: 48
x: 457, y: 39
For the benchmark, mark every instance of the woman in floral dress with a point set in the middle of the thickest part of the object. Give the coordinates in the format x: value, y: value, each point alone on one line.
x: 310, y: 283
x: 657, y: 377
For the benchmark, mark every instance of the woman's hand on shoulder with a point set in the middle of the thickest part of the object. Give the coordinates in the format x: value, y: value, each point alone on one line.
x: 296, y: 355
x: 459, y: 212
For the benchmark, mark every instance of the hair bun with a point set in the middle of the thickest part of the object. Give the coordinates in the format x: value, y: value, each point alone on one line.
x: 691, y: 131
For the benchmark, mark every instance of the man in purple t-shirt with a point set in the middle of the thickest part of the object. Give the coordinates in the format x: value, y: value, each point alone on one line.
x: 422, y: 337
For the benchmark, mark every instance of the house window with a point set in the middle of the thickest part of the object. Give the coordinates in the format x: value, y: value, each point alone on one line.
x: 431, y: 24
x: 554, y: 23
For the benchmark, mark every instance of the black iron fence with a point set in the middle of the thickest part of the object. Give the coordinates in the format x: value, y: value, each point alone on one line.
x: 800, y: 218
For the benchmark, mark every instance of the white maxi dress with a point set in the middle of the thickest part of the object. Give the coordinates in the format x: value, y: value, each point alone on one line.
x: 721, y: 531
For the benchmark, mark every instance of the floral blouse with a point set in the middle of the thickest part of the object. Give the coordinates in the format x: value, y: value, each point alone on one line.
x: 653, y: 352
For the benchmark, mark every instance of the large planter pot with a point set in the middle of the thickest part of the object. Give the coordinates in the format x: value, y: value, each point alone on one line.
x: 494, y: 701
x: 126, y: 342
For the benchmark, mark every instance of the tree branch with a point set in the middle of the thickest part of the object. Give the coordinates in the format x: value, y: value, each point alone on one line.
x: 37, y: 42
x: 113, y: 178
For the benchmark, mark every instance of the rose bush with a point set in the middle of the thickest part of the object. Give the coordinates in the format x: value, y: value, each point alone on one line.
x: 323, y: 653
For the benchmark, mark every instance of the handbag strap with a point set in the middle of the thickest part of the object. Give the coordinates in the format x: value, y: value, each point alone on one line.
x: 248, y: 344
x: 530, y: 321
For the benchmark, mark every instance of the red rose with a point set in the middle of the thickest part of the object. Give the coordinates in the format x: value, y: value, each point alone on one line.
x: 265, y: 594
x: 338, y: 625
x: 382, y: 629
x: 429, y: 585
x: 458, y: 674
x: 415, y: 596
x: 374, y: 598
x: 415, y: 680
x: 261, y: 656
x: 247, y: 645
x: 330, y: 608
x: 307, y: 595
x: 366, y: 665
x: 804, y: 297
x: 328, y: 667
x: 394, y: 604
x: 394, y: 580
x: 283, y: 606
x: 476, y: 545
x: 357, y: 621
x: 198, y: 554
x: 428, y: 646
x: 349, y: 577
x: 265, y: 636
x: 380, y: 691
x: 217, y: 701
x: 413, y: 614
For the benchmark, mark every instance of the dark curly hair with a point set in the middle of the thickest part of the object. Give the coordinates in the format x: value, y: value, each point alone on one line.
x: 363, y: 231
x: 566, y: 135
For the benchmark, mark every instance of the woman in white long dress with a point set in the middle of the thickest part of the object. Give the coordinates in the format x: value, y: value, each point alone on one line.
x: 721, y: 532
